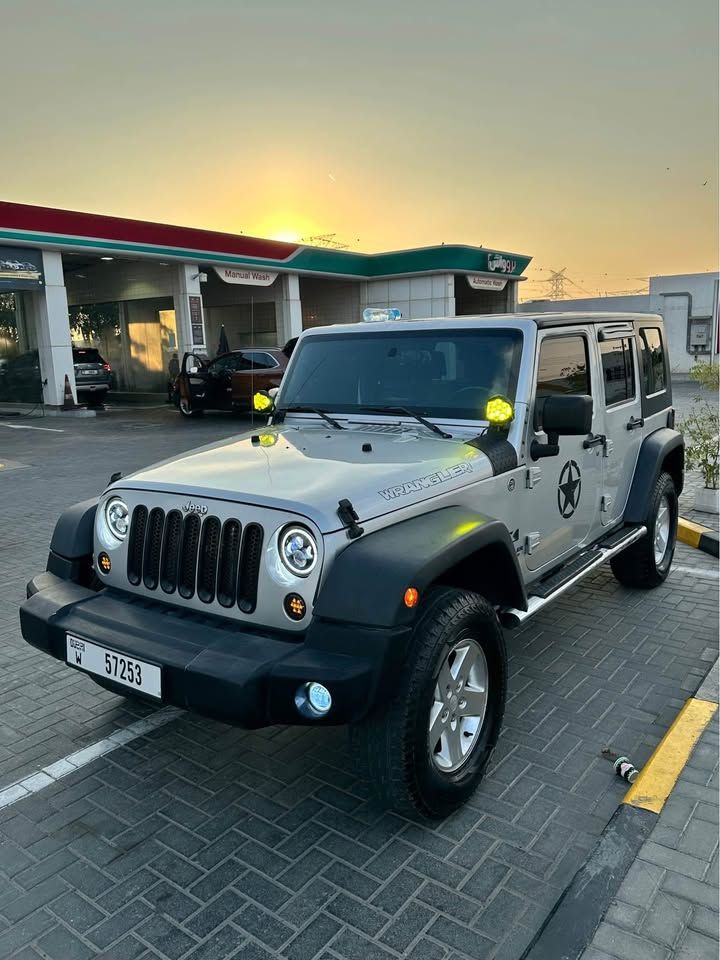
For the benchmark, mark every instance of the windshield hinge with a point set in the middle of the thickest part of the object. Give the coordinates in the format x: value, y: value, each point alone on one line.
x: 349, y: 519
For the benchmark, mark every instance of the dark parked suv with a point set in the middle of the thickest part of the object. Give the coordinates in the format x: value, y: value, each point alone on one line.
x: 93, y: 376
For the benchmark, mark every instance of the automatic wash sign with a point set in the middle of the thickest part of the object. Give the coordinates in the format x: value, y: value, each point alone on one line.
x: 20, y: 268
x: 254, y: 278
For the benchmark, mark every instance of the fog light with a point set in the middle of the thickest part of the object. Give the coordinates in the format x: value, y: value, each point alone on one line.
x: 104, y: 563
x: 313, y: 700
x: 319, y: 697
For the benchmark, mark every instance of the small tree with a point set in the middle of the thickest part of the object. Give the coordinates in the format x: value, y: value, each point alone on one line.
x: 8, y: 326
x: 702, y: 430
x: 707, y: 374
x: 702, y: 426
x: 92, y: 321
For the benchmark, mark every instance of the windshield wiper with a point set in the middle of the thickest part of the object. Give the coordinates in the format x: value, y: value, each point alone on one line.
x: 302, y: 408
x: 411, y: 413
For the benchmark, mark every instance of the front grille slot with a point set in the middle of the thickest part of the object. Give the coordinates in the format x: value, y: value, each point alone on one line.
x: 208, y: 558
x: 188, y: 556
x: 136, y: 545
x: 228, y: 563
x: 153, y: 547
x: 171, y: 551
x: 249, y: 567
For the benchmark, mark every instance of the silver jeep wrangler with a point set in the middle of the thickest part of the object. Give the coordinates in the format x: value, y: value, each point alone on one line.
x: 419, y: 486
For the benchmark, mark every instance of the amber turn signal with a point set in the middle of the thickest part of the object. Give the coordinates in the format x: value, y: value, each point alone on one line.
x: 295, y: 606
x: 104, y: 563
x: 411, y: 597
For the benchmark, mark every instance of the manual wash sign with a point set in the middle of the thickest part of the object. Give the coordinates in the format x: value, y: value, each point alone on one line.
x: 254, y: 278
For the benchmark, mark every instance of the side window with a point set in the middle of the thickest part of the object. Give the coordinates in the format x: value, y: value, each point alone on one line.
x: 563, y: 367
x: 653, y: 359
x: 228, y: 363
x: 618, y: 370
x: 259, y: 360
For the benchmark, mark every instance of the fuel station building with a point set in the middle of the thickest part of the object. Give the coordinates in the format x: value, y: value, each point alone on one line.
x: 141, y: 291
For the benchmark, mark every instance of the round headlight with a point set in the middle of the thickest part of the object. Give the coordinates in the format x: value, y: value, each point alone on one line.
x: 117, y: 517
x: 298, y: 550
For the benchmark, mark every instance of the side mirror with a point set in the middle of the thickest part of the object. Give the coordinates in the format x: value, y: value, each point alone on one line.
x: 263, y: 402
x: 563, y: 416
x: 273, y: 392
x: 567, y: 416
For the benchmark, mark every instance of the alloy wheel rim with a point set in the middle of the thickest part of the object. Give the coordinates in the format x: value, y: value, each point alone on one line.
x: 661, y: 536
x: 184, y: 406
x: 459, y: 705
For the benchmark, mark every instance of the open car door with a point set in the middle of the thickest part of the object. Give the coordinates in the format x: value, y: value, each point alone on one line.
x: 191, y: 384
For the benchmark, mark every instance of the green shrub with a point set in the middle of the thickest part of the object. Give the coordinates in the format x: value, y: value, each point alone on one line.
x: 702, y: 444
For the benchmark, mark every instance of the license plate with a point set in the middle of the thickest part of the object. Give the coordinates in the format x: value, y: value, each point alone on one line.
x: 118, y: 667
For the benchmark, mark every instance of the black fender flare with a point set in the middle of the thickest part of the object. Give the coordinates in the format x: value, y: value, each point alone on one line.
x: 72, y: 541
x: 654, y: 451
x: 367, y: 581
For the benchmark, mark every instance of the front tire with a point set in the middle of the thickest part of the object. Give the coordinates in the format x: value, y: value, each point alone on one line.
x: 186, y: 409
x: 646, y: 563
x: 426, y: 752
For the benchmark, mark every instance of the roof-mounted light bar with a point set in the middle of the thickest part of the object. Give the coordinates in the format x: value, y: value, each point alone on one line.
x: 381, y: 315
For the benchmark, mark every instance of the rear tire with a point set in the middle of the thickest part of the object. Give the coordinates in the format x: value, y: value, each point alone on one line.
x: 427, y: 750
x: 646, y: 563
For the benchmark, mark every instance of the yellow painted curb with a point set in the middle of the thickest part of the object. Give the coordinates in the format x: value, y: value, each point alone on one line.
x: 660, y: 773
x: 690, y: 532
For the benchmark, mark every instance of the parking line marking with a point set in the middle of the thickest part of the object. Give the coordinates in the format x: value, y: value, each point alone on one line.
x: 660, y: 773
x: 26, y: 426
x: 698, y: 572
x: 80, y: 758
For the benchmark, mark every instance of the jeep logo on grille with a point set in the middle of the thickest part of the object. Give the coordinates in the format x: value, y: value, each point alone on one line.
x: 191, y: 507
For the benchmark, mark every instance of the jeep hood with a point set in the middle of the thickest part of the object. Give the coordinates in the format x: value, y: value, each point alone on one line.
x: 308, y: 469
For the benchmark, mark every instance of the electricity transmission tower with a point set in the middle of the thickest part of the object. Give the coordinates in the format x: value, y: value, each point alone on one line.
x: 557, y: 284
x: 325, y: 240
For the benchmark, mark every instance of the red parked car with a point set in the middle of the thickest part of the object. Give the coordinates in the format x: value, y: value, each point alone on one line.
x: 229, y: 381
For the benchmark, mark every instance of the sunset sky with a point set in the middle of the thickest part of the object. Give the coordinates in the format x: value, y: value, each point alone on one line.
x: 581, y: 133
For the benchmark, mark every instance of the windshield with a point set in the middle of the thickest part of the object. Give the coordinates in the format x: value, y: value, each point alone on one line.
x: 439, y: 373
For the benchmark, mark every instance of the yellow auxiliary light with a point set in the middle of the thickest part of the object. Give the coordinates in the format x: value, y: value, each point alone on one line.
x: 499, y: 411
x: 267, y: 439
x: 262, y: 401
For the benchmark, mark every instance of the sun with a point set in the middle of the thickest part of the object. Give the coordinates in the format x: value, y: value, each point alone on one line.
x: 287, y: 236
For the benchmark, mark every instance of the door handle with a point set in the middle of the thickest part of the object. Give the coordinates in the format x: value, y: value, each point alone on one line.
x: 635, y: 422
x: 597, y: 440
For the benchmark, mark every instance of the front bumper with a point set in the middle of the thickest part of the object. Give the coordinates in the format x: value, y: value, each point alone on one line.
x: 216, y: 667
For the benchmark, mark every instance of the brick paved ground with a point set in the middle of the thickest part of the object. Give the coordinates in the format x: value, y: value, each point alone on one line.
x: 203, y: 841
x: 667, y: 906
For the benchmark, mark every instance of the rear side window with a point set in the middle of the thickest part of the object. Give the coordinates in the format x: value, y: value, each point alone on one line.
x: 259, y: 360
x: 653, y: 357
x: 563, y: 367
x: 618, y: 370
x: 81, y: 355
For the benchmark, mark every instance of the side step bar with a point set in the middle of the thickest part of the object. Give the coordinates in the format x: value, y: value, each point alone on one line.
x: 511, y: 617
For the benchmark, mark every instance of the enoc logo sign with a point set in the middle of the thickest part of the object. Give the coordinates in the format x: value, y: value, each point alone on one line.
x: 497, y: 261
x: 191, y: 507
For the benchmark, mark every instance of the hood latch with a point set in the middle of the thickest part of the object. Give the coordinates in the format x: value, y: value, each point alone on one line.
x: 349, y: 519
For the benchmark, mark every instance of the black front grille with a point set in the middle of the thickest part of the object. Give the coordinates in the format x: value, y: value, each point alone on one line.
x: 218, y: 561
